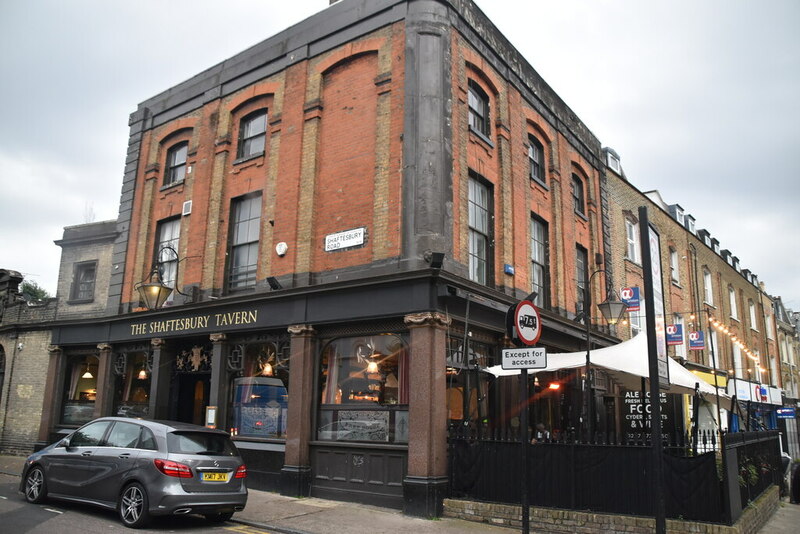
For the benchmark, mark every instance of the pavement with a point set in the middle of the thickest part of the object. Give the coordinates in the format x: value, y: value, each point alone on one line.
x: 291, y: 515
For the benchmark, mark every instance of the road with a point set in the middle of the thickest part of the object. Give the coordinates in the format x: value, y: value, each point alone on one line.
x: 20, y: 517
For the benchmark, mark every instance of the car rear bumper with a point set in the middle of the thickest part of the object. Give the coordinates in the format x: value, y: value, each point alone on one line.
x: 199, y: 503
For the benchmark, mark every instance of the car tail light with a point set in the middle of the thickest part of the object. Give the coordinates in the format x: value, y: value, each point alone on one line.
x: 241, y: 472
x: 173, y: 469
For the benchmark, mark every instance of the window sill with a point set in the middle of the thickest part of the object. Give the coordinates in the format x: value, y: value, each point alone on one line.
x: 482, y: 136
x: 536, y: 181
x: 245, y: 159
x: 171, y: 186
x: 676, y: 283
x: 735, y: 319
x: 80, y: 301
x: 581, y: 215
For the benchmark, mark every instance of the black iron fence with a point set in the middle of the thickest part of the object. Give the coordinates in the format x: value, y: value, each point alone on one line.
x: 615, y: 475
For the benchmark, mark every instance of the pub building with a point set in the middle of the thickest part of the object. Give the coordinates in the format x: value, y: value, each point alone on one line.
x: 311, y: 232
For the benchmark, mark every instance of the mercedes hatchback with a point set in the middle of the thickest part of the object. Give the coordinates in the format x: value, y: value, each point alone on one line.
x: 142, y: 469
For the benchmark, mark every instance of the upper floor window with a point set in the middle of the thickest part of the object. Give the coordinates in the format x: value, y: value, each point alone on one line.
x: 252, y: 134
x: 769, y: 325
x: 578, y: 196
x: 83, y: 281
x: 540, y: 263
x: 169, y: 233
x: 582, y: 281
x: 478, y: 109
x: 708, y: 295
x: 674, y: 265
x: 753, y: 323
x: 632, y: 237
x: 536, y: 159
x: 480, y: 216
x: 176, y: 163
x: 245, y: 226
x: 732, y: 297
x: 680, y: 350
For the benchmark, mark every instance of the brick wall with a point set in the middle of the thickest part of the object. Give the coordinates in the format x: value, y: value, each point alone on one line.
x: 551, y: 520
x: 23, y: 389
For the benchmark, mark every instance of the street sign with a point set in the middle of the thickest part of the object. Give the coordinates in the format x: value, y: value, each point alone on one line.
x: 527, y: 322
x: 524, y: 358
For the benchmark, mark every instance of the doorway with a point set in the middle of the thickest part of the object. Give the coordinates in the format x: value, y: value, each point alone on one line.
x: 192, y: 398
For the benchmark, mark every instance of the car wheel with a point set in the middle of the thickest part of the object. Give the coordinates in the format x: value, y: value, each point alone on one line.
x: 35, y: 486
x: 219, y: 518
x: 133, y: 506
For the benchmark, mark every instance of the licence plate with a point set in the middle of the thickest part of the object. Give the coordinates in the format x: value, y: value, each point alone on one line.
x: 215, y: 477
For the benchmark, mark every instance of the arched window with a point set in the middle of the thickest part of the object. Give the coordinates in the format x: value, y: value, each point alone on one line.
x: 252, y: 134
x: 176, y: 163
x: 478, y: 102
x: 536, y: 159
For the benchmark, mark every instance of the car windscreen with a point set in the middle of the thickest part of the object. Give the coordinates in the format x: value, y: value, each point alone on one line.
x: 208, y: 443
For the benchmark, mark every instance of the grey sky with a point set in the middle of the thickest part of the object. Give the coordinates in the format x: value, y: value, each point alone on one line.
x: 699, y: 98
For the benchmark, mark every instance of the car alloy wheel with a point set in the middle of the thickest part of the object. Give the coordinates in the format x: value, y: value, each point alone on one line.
x: 35, y: 486
x: 133, y: 506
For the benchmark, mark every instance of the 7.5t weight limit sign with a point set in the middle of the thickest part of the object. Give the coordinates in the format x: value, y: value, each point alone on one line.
x: 527, y: 322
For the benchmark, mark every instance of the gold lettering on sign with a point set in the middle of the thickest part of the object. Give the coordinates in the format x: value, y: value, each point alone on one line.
x: 198, y: 322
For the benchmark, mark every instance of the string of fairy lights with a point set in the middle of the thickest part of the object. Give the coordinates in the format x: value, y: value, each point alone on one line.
x: 723, y: 329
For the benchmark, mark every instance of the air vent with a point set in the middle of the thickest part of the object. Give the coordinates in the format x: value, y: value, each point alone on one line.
x: 187, y: 208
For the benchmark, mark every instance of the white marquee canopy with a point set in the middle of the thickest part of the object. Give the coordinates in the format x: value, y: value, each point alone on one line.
x: 627, y: 363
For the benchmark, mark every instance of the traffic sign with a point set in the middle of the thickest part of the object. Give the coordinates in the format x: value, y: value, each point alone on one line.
x: 524, y: 358
x: 527, y: 322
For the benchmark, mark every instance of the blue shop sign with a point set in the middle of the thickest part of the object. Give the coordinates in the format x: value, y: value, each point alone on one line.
x: 785, y: 413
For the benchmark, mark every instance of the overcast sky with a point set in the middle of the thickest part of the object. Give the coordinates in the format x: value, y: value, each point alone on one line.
x: 700, y: 98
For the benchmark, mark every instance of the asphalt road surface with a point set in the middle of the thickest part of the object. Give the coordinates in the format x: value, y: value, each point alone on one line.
x: 19, y: 517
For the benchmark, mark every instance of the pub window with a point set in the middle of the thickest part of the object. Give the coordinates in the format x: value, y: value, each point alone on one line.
x: 176, y: 163
x: 467, y: 388
x: 252, y: 134
x: 132, y: 391
x: 246, y: 223
x: 83, y: 279
x: 364, y: 389
x: 80, y: 389
x: 261, y: 390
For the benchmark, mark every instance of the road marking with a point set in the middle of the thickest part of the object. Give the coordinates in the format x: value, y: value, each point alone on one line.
x: 54, y: 511
x: 245, y: 529
x: 3, y: 497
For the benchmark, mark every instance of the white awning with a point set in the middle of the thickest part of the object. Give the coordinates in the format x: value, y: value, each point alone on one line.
x: 627, y: 363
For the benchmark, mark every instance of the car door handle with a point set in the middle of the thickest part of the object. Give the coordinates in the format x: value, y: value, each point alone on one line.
x: 86, y: 453
x: 125, y: 455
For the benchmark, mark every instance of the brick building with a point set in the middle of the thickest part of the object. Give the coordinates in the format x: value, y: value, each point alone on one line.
x: 340, y: 209
x: 346, y: 211
x: 709, y: 297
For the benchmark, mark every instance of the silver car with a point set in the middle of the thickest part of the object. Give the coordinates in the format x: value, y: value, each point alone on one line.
x: 142, y: 469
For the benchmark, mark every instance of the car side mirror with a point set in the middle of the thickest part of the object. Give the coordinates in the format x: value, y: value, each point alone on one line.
x: 65, y: 442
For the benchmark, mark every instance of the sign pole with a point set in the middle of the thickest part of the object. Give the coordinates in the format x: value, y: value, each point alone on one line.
x: 652, y: 349
x: 525, y: 440
x: 524, y: 327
